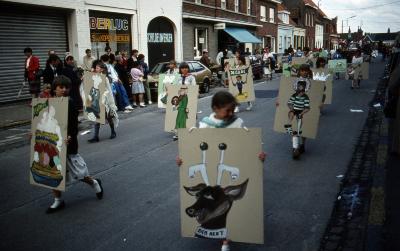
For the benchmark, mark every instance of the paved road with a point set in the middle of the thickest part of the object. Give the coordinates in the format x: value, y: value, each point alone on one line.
x: 140, y: 209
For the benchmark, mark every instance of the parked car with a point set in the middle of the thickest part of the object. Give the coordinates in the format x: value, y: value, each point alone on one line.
x: 202, y: 74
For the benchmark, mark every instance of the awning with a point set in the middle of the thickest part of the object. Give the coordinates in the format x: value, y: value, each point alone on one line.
x: 242, y: 35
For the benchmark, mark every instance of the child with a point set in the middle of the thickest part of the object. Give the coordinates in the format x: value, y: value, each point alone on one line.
x: 46, y: 93
x: 321, y: 63
x: 137, y: 85
x: 299, y: 104
x: 239, y: 84
x: 76, y: 166
x: 111, y: 108
x: 223, y: 105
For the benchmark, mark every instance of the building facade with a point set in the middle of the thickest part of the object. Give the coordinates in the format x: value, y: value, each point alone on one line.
x: 76, y: 25
x: 267, y: 18
x: 285, y: 29
x: 299, y: 36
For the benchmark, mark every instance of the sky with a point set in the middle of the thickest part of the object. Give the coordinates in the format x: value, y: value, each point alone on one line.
x: 373, y: 16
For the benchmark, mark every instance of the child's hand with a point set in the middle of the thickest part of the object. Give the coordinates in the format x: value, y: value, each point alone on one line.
x: 262, y: 156
x: 178, y: 161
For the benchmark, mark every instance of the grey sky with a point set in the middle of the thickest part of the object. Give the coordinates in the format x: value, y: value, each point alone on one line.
x: 375, y: 19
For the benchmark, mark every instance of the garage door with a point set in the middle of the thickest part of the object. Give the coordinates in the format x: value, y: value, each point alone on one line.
x: 20, y: 27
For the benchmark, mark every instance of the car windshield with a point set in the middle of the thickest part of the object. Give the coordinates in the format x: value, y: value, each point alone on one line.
x: 160, y: 68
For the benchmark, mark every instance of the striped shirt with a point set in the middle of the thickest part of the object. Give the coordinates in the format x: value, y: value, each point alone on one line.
x: 299, y: 103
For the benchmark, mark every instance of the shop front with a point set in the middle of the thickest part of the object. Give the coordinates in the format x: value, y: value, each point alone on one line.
x: 236, y: 38
x: 109, y: 30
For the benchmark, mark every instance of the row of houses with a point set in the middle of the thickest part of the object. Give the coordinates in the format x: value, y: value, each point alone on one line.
x: 161, y: 30
x: 254, y: 24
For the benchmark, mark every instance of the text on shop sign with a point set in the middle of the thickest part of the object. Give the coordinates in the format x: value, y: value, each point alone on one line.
x: 99, y: 23
x: 109, y: 38
x: 160, y: 38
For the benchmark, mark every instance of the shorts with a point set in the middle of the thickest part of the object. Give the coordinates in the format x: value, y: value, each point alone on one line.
x: 76, y: 167
x: 34, y: 86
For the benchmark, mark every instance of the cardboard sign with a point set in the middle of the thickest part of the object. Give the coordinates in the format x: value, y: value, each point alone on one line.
x: 221, y: 184
x: 181, y: 108
x: 301, y: 60
x: 92, y: 93
x: 310, y: 119
x: 241, y: 83
x: 163, y: 80
x: 337, y: 65
x: 286, y: 70
x: 48, y: 148
x: 326, y: 78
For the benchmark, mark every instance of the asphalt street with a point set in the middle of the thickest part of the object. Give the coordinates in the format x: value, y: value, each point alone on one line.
x: 140, y: 208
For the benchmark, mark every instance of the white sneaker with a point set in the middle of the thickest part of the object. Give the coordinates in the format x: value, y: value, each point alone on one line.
x: 150, y: 103
x: 199, y: 112
x: 127, y: 111
x: 129, y: 107
x: 236, y: 109
x: 142, y: 105
x: 249, y: 107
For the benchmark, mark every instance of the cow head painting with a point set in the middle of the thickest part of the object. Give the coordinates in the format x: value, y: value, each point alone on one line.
x: 213, y: 203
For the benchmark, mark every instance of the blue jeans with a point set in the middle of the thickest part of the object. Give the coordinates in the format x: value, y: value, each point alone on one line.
x: 122, y: 96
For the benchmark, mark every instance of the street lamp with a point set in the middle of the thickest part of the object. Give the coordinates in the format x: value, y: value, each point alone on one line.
x: 347, y: 20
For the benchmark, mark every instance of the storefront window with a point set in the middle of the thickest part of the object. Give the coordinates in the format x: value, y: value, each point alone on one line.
x: 109, y: 30
x: 200, y: 40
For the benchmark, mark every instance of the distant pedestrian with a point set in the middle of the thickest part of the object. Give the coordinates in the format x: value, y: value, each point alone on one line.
x: 88, y: 60
x: 145, y: 69
x: 32, y: 67
x: 70, y: 72
x: 52, y: 70
x: 137, y: 84
x: 356, y: 62
x: 205, y: 60
x: 123, y: 75
x: 76, y: 165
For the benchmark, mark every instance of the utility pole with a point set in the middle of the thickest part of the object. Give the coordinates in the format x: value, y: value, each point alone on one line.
x: 347, y: 21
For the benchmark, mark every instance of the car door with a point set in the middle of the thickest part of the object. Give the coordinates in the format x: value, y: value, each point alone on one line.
x: 200, y: 71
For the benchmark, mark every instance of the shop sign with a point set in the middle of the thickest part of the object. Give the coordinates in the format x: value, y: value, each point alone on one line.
x: 104, y: 37
x: 160, y: 38
x: 219, y: 26
x: 100, y: 23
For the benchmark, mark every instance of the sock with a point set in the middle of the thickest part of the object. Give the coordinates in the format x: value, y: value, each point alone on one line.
x: 56, y: 203
x: 96, y: 186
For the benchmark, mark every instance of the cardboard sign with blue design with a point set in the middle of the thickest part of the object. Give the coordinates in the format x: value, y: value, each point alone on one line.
x: 163, y: 80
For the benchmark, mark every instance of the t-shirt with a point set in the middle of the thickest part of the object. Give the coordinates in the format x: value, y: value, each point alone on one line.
x: 136, y: 74
x: 299, y: 103
x: 212, y: 122
x: 188, y: 80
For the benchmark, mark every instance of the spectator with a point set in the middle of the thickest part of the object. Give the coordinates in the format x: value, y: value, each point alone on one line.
x: 145, y: 69
x: 123, y: 76
x: 133, y: 58
x: 52, y: 69
x: 88, y: 60
x: 32, y: 66
x: 137, y: 84
x: 205, y: 60
x: 70, y: 72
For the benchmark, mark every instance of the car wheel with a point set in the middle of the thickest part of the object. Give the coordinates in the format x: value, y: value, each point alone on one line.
x: 206, y: 86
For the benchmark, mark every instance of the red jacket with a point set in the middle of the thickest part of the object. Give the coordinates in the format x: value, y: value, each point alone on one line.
x: 33, y: 67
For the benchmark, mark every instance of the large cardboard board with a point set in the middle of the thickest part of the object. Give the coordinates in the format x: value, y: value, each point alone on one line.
x: 48, y: 148
x: 241, y: 83
x: 326, y: 78
x: 303, y: 60
x: 92, y: 93
x: 310, y: 119
x: 244, y: 220
x: 360, y: 70
x: 337, y: 65
x: 163, y: 80
x: 181, y: 108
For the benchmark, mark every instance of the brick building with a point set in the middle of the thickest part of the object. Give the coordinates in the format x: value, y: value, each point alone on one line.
x: 215, y: 25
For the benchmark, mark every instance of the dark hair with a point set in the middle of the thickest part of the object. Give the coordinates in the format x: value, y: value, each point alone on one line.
x: 52, y: 58
x: 140, y: 57
x: 172, y: 62
x: 134, y: 51
x: 27, y: 49
x: 105, y: 58
x: 87, y: 50
x: 107, y: 48
x: 60, y: 81
x: 183, y: 65
x: 222, y: 99
x: 95, y: 62
x: 135, y: 64
x: 320, y: 61
x: 242, y: 59
x: 69, y: 57
x: 305, y: 67
x: 112, y: 58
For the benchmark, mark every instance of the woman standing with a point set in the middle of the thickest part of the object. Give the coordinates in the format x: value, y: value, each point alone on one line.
x: 137, y: 84
x: 145, y: 69
x: 356, y: 63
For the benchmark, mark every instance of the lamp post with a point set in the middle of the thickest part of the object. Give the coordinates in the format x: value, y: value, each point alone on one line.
x: 347, y: 20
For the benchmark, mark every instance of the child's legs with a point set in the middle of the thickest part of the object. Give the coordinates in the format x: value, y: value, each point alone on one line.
x: 110, y: 123
x: 88, y: 180
x: 140, y: 97
x: 96, y: 130
x: 57, y: 194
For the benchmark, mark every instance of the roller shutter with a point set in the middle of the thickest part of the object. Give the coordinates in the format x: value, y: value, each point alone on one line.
x: 21, y: 27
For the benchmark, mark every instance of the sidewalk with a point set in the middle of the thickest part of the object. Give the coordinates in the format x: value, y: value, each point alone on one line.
x: 14, y: 115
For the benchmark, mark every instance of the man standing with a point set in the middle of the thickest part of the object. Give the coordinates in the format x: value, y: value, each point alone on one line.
x: 87, y: 60
x: 32, y: 67
x: 205, y: 60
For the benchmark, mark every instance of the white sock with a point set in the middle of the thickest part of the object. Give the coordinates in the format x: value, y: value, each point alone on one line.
x: 56, y: 203
x: 96, y: 186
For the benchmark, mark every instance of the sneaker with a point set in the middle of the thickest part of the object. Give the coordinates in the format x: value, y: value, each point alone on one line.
x: 127, y: 111
x: 150, y: 103
x: 249, y: 107
x: 175, y: 137
x: 129, y: 107
x: 296, y: 153
x: 51, y: 210
x: 113, y: 135
x: 236, y: 109
x: 142, y: 105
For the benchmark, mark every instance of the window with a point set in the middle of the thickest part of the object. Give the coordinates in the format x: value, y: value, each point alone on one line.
x: 237, y: 6
x: 306, y: 19
x: 271, y: 15
x: 200, y: 41
x: 198, y: 1
x: 198, y: 67
x: 312, y: 20
x: 223, y: 4
x: 263, y: 15
x: 272, y: 44
x: 249, y: 2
